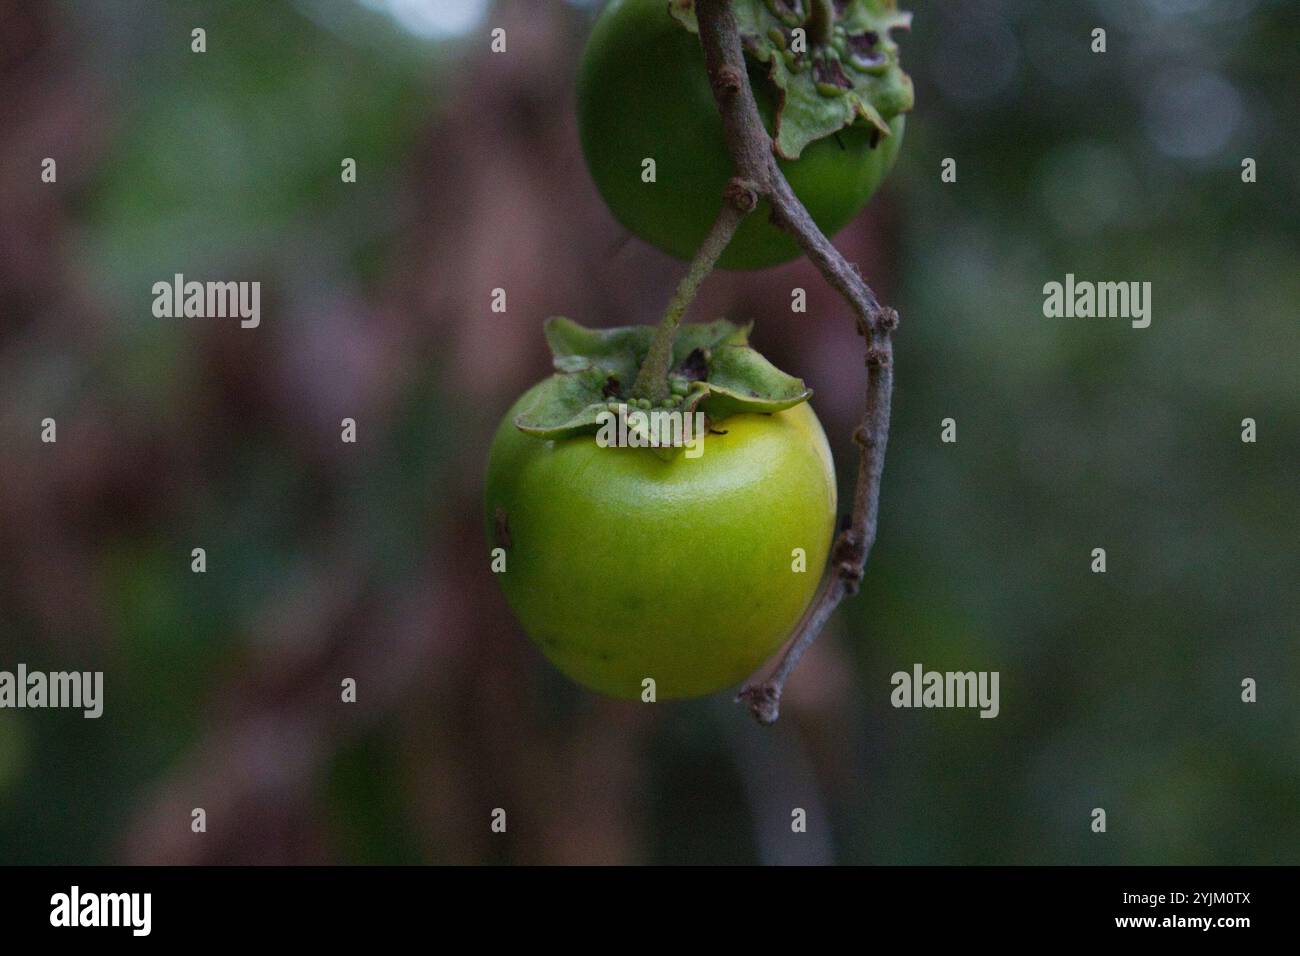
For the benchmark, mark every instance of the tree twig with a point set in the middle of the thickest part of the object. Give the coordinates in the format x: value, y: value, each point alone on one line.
x: 755, y: 163
x: 738, y: 201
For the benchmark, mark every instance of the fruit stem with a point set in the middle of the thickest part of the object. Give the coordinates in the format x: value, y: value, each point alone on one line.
x: 652, y: 379
x: 821, y: 18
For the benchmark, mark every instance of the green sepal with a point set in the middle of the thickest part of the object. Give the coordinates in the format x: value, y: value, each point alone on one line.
x: 618, y: 351
x: 741, y: 379
x: 854, y: 77
x: 715, y: 369
x: 567, y: 404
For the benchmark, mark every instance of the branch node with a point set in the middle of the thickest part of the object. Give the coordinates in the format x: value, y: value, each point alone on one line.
x: 741, y: 193
x: 764, y: 701
x: 848, y: 551
x: 727, y: 83
x: 877, y: 358
x: 851, y: 575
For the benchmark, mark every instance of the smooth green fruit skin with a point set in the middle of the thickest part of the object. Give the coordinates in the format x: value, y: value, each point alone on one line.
x: 622, y: 566
x: 643, y: 93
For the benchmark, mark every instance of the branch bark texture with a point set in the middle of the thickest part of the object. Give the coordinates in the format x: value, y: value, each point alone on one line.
x: 757, y: 173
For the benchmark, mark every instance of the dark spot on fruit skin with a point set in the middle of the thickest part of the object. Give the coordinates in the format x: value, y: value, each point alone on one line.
x: 503, y: 529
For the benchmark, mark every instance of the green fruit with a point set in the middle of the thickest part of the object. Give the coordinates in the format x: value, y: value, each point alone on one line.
x: 622, y: 566
x: 643, y: 93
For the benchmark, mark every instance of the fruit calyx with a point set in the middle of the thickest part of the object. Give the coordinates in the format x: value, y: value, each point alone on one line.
x: 841, y: 66
x: 714, y: 371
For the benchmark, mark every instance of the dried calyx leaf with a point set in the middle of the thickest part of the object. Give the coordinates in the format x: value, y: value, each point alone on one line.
x: 833, y: 63
x: 714, y: 371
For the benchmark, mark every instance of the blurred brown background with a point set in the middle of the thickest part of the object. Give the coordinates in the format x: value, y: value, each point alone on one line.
x: 329, y: 560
